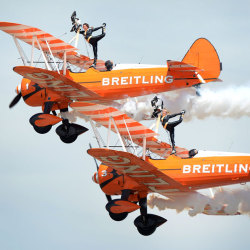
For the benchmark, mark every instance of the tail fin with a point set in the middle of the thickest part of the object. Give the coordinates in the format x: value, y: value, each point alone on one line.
x: 203, y: 55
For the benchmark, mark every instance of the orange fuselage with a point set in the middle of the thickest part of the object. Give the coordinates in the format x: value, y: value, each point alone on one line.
x: 205, y: 172
x: 123, y: 83
x: 107, y: 86
x: 194, y: 173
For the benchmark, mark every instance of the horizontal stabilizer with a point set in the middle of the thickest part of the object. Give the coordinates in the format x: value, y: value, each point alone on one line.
x: 181, y: 66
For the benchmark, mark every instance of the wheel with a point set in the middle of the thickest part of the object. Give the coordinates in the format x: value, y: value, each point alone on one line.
x: 42, y: 130
x: 146, y: 231
x: 145, y: 227
x: 147, y: 224
x: 68, y: 132
x: 69, y: 139
x: 118, y: 217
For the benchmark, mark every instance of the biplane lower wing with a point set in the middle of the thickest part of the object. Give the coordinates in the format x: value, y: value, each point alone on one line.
x: 143, y: 172
x: 56, y: 82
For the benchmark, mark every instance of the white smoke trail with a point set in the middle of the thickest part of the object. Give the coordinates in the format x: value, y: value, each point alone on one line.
x: 233, y: 201
x: 233, y: 102
x: 194, y: 203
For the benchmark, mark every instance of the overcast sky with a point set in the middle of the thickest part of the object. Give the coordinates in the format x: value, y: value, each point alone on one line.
x: 47, y: 197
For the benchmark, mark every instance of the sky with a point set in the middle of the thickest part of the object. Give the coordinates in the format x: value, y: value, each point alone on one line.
x: 47, y: 197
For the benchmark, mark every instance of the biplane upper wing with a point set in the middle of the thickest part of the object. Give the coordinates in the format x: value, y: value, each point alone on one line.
x: 127, y: 127
x: 56, y: 82
x: 36, y: 37
x: 29, y: 34
x: 143, y: 172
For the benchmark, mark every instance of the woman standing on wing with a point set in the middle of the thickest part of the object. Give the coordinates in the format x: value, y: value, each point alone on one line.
x: 169, y: 126
x: 93, y: 40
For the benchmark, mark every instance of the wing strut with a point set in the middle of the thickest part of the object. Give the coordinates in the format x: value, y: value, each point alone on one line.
x: 44, y: 57
x: 64, y: 62
x: 118, y: 133
x: 144, y: 147
x: 32, y: 51
x: 97, y: 135
x: 21, y: 52
x: 53, y: 58
x: 133, y: 145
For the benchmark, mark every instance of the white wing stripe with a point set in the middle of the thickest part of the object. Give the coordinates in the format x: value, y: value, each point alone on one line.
x: 90, y: 108
x: 15, y: 27
x: 106, y: 123
x: 113, y: 114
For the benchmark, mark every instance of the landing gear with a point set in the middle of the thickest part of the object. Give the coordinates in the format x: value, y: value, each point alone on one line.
x: 147, y: 223
x: 119, y: 209
x: 40, y: 130
x: 44, y: 129
x: 43, y: 122
x: 118, y: 217
x: 123, y: 205
x: 68, y: 132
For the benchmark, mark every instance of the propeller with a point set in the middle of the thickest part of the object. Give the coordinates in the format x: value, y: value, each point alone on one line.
x: 15, y: 100
x: 97, y: 167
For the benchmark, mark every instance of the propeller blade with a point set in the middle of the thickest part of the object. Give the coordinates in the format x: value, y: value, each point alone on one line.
x: 15, y: 100
x: 109, y: 198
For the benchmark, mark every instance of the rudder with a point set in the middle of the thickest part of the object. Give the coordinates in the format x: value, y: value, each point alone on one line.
x: 203, y: 55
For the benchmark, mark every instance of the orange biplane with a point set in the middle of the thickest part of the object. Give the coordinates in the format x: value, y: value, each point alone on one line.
x: 145, y: 164
x: 58, y: 88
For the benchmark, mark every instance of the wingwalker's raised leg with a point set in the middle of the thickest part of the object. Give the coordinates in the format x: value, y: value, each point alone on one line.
x: 147, y: 223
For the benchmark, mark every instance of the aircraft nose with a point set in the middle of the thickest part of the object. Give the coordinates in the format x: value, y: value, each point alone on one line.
x: 95, y: 178
x: 18, y: 89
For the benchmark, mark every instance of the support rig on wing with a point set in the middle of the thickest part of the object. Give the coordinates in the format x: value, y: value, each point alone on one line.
x: 35, y: 95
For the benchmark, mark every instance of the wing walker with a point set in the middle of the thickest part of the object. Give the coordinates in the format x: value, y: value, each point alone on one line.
x: 144, y: 164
